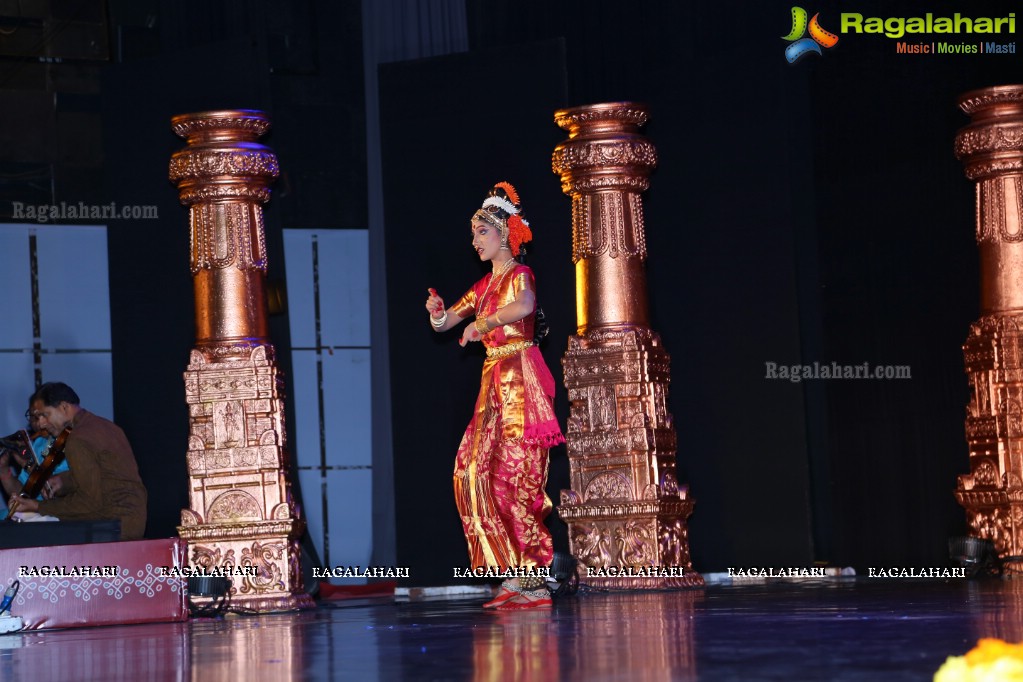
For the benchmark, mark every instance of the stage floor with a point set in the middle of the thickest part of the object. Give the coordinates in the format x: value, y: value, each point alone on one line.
x: 834, y: 629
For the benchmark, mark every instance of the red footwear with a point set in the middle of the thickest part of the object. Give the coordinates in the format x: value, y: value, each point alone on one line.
x: 535, y: 599
x: 506, y: 593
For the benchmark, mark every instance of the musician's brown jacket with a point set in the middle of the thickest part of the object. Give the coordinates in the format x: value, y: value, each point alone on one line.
x: 104, y: 479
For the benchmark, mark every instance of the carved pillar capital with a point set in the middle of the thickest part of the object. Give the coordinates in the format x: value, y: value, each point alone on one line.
x: 604, y: 165
x: 224, y: 175
x: 604, y: 150
x: 223, y: 159
x: 993, y: 142
x: 605, y: 158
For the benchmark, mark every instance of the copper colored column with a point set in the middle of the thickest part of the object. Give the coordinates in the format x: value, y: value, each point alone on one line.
x: 991, y: 148
x: 625, y: 511
x: 242, y: 519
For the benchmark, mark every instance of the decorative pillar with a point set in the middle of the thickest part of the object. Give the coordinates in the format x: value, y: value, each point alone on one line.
x: 625, y: 509
x: 241, y: 519
x: 991, y: 149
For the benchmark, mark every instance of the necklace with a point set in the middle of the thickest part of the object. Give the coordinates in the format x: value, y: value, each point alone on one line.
x: 505, y: 267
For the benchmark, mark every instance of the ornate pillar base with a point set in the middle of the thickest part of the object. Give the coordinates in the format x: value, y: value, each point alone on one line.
x: 992, y: 493
x: 627, y: 516
x: 236, y: 471
x: 270, y: 548
x: 600, y: 533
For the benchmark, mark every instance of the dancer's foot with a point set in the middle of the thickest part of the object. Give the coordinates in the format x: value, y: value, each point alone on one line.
x: 509, y: 589
x: 527, y: 599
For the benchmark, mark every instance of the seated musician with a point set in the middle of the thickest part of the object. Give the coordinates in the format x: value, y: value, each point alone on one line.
x: 16, y: 464
x: 103, y: 481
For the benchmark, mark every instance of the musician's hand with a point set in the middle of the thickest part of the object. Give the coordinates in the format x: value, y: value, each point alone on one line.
x: 52, y: 487
x: 23, y: 504
x: 470, y: 333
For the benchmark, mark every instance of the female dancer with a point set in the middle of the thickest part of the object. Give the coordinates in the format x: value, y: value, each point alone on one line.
x: 501, y: 466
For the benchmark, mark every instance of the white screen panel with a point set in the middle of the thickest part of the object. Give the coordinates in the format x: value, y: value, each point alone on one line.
x: 18, y: 385
x: 74, y: 288
x: 333, y: 265
x: 344, y: 287
x: 312, y: 507
x: 350, y: 511
x: 304, y: 435
x: 298, y: 263
x: 346, y: 406
x: 16, y: 285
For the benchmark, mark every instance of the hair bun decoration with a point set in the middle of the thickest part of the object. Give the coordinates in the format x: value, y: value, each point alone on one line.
x: 518, y: 233
x: 509, y: 192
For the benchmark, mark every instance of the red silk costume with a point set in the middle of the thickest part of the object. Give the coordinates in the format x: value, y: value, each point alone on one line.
x: 501, y: 466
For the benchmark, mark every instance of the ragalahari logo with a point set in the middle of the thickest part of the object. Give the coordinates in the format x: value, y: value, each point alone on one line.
x: 801, y: 46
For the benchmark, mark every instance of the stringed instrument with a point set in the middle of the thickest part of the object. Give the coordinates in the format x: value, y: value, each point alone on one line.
x: 40, y: 474
x: 20, y: 443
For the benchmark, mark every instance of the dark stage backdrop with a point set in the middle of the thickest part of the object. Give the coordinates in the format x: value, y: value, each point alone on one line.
x: 801, y: 213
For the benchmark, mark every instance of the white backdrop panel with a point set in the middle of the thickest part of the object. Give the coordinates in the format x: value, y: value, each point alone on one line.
x: 344, y: 287
x: 346, y: 406
x: 16, y: 285
x: 18, y: 384
x: 74, y: 287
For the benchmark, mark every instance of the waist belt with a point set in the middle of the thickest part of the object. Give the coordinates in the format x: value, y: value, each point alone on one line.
x: 508, y: 349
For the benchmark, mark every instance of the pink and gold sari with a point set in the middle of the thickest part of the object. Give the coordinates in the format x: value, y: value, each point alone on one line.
x: 501, y: 466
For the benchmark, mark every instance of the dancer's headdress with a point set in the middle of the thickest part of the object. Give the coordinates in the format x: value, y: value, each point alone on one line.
x: 502, y: 209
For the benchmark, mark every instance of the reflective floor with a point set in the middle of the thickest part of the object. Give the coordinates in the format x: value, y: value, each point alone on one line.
x: 842, y: 629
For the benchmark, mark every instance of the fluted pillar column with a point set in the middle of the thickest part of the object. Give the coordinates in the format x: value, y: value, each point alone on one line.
x: 991, y: 149
x: 626, y: 511
x: 242, y: 519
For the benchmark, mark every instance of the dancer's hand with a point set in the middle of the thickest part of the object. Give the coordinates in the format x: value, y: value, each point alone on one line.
x: 470, y: 333
x: 434, y: 304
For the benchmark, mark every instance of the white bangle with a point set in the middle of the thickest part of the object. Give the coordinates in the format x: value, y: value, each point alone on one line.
x: 438, y: 322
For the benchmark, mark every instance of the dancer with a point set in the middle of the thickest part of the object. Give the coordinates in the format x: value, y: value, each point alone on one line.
x: 501, y: 465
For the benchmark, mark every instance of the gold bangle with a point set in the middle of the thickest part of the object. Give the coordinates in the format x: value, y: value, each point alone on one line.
x: 481, y: 325
x: 497, y: 316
